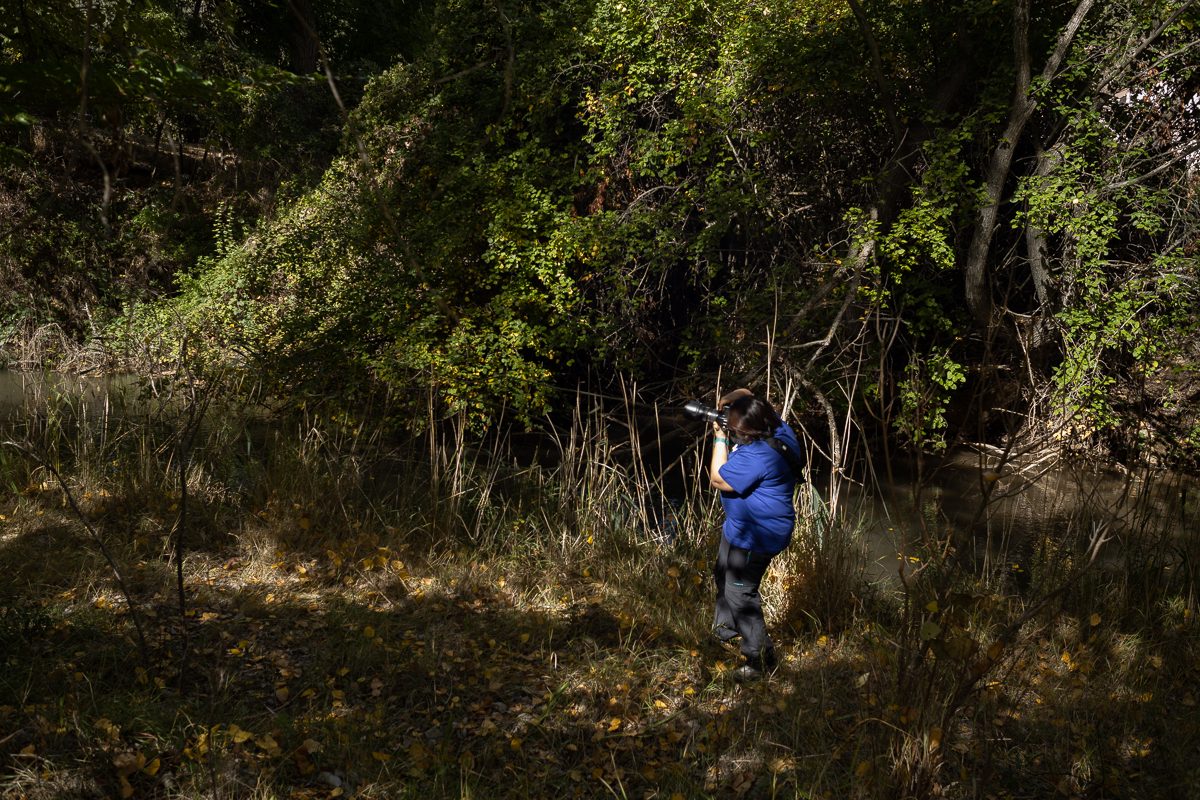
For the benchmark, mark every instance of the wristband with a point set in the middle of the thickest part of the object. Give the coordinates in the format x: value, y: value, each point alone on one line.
x: 722, y: 441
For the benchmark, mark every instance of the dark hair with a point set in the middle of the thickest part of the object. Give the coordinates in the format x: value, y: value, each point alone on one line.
x: 752, y: 418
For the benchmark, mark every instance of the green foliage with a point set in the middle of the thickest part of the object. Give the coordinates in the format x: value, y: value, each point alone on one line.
x: 1124, y: 301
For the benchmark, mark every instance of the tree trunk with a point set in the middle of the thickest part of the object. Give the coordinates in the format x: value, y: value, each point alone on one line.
x: 978, y: 288
x: 1035, y: 238
x: 303, y: 43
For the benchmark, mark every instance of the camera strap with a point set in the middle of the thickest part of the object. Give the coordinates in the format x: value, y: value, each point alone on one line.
x: 789, y: 455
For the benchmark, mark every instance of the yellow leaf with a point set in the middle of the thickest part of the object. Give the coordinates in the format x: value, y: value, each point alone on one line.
x: 495, y: 686
x: 126, y: 788
x: 515, y: 744
x: 863, y: 768
x: 337, y: 792
x: 27, y: 750
x: 616, y: 723
x: 994, y: 651
x: 267, y: 742
x: 312, y: 745
x: 659, y: 704
x: 304, y: 523
x: 673, y: 572
x: 932, y: 607
x: 648, y: 773
x: 238, y: 734
x: 524, y: 638
x: 677, y: 796
x: 368, y: 632
x: 1094, y: 620
x: 597, y: 773
x: 282, y: 694
x: 151, y: 769
x: 935, y: 738
x: 380, y: 756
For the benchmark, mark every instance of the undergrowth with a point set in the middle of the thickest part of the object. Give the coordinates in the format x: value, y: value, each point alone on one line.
x: 435, y: 615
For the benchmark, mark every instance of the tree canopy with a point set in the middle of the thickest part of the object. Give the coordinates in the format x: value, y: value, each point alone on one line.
x: 933, y: 197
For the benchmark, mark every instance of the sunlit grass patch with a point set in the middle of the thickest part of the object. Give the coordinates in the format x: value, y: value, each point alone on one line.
x: 395, y: 633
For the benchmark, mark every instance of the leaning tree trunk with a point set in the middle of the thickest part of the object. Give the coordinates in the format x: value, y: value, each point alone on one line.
x: 978, y: 288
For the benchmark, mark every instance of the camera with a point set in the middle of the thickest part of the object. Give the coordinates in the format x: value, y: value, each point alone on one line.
x: 697, y: 410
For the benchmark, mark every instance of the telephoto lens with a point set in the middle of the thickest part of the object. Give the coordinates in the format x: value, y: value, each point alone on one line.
x: 697, y: 410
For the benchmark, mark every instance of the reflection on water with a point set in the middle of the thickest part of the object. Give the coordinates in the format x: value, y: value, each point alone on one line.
x: 92, y: 398
x: 1034, y: 503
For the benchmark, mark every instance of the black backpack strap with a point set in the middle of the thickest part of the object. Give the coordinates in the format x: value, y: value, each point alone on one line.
x: 789, y: 455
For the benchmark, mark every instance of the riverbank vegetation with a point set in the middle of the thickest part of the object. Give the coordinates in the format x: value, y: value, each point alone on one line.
x: 375, y: 537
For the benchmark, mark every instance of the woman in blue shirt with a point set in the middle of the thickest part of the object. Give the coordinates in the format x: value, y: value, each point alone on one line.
x: 756, y: 485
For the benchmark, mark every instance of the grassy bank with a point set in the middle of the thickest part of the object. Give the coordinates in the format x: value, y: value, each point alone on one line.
x: 426, y: 617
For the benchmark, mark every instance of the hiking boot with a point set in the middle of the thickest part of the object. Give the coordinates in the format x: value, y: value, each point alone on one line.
x: 747, y: 673
x: 755, y: 669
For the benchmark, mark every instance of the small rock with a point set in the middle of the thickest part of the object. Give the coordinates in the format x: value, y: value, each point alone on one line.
x: 433, y: 735
x: 499, y: 707
x: 329, y: 779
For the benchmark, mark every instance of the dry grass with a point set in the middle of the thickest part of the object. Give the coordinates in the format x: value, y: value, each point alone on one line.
x: 423, y: 619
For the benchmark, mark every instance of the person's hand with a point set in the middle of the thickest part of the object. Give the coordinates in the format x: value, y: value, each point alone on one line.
x: 717, y: 430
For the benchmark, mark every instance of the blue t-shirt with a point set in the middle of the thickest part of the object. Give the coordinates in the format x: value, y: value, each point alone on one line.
x: 758, y: 512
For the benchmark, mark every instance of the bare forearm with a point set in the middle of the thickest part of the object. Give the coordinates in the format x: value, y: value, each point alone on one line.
x: 720, y: 454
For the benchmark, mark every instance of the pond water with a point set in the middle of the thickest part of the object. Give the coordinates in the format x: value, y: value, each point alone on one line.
x: 91, y: 397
